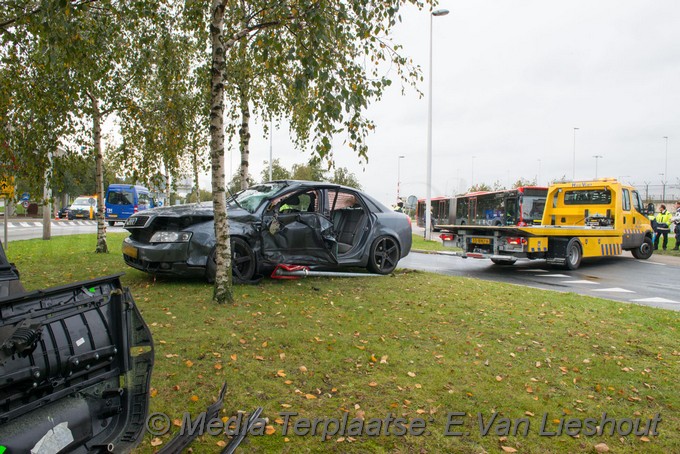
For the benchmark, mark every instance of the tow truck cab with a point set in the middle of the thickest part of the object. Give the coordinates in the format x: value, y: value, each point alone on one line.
x: 581, y: 219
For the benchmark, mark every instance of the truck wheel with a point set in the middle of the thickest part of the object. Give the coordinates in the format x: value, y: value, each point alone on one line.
x: 574, y: 255
x: 504, y: 262
x: 645, y: 250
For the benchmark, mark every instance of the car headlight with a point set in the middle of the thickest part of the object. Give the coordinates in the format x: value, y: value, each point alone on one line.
x: 170, y: 237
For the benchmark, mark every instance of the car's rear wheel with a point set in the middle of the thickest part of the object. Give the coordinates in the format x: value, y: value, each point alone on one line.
x: 243, y: 262
x: 384, y: 255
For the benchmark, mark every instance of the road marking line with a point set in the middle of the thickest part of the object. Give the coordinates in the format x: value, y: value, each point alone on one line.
x: 555, y: 275
x: 656, y: 300
x: 613, y: 290
x: 651, y: 263
x: 581, y: 282
x: 25, y: 224
x: 534, y: 270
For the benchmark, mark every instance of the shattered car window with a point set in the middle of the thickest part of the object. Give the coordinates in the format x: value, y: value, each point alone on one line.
x: 251, y: 198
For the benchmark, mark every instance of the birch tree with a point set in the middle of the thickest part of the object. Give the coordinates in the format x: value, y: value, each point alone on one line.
x: 314, y: 51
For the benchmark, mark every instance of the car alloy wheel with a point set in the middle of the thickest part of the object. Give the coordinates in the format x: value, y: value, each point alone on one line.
x: 384, y: 255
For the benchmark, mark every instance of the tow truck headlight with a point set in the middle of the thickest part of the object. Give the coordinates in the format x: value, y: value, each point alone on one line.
x: 170, y: 237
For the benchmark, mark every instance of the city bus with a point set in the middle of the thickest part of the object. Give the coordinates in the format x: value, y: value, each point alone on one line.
x: 519, y: 206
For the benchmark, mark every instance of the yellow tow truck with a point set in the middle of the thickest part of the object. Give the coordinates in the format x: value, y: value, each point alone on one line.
x: 582, y: 219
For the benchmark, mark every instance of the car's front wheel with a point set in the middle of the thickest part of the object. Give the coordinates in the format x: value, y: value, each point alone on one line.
x: 384, y: 255
x: 243, y: 262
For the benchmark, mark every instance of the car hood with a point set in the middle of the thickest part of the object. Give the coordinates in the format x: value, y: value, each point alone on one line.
x: 188, y: 214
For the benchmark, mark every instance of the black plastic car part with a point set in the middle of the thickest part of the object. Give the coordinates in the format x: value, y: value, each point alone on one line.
x: 75, y: 368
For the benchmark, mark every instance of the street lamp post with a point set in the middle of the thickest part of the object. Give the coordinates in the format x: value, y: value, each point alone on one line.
x: 271, y: 146
x: 663, y: 182
x: 472, y: 172
x: 597, y: 156
x: 665, y: 170
x: 399, y: 158
x: 573, y: 172
x: 428, y: 203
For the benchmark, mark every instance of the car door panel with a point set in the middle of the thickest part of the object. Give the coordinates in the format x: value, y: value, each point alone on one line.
x: 299, y: 238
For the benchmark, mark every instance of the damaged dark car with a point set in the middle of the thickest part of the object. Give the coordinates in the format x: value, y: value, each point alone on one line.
x: 318, y: 225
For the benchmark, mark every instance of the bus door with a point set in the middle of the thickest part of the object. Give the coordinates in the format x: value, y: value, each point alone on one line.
x: 472, y: 210
x: 512, y: 211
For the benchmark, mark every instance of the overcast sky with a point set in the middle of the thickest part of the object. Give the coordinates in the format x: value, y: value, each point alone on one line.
x: 512, y: 79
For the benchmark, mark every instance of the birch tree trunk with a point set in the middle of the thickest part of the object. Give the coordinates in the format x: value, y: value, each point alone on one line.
x: 102, y: 246
x: 244, y: 138
x: 222, y: 255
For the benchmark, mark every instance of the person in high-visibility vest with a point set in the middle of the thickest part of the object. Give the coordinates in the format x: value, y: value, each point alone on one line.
x: 663, y: 226
x: 676, y: 221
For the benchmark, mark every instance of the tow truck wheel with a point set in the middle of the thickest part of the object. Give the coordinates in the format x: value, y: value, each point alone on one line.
x: 574, y: 255
x: 645, y: 250
x: 504, y: 262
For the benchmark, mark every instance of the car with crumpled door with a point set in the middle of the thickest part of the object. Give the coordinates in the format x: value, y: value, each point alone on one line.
x: 315, y: 224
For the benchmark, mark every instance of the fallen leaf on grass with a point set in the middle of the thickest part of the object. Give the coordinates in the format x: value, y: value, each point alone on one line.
x: 194, y: 398
x: 508, y: 449
x: 601, y: 447
x: 280, y: 373
x: 156, y: 442
x: 310, y: 396
x: 188, y: 363
x: 499, y: 378
x: 153, y: 392
x: 233, y: 357
x: 373, y: 384
x: 411, y: 374
x: 269, y: 430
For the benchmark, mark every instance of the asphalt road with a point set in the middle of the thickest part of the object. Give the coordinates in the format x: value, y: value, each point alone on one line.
x: 18, y: 229
x: 654, y: 282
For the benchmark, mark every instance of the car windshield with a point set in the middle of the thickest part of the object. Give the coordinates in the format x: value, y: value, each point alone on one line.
x: 81, y: 202
x: 251, y: 198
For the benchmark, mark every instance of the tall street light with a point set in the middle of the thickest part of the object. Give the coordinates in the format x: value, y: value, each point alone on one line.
x: 573, y: 173
x: 472, y: 172
x: 597, y: 156
x: 428, y: 204
x: 399, y: 158
x: 665, y: 170
x: 271, y: 146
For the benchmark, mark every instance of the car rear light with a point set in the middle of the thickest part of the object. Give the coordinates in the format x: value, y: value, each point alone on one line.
x: 135, y: 209
x: 522, y: 224
x: 447, y: 236
x: 517, y: 240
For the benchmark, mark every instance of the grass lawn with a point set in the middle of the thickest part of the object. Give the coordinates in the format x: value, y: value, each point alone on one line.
x: 671, y: 245
x: 421, y: 244
x: 414, y: 344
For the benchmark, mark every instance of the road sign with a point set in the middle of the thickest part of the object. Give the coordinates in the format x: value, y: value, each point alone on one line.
x: 25, y: 204
x: 7, y: 187
x: 25, y: 196
x: 411, y: 201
